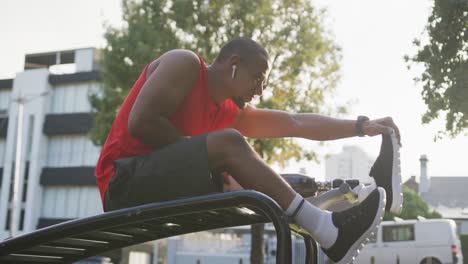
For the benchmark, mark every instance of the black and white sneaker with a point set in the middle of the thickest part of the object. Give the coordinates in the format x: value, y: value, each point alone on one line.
x: 386, y: 172
x: 355, y: 225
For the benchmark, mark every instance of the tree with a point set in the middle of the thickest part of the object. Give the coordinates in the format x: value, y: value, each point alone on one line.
x: 413, y: 206
x: 304, y: 56
x: 445, y: 61
x: 304, y: 71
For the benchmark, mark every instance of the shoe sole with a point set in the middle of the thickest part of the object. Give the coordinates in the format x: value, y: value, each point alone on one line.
x: 397, y: 192
x: 363, y: 239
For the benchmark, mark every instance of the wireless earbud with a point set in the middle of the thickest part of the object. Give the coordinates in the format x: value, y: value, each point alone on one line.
x: 234, y: 71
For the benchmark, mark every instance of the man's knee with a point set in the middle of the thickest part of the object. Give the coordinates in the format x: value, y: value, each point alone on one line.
x: 225, y: 143
x: 226, y: 139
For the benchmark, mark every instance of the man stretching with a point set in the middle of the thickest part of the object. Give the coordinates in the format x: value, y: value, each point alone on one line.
x: 182, y: 127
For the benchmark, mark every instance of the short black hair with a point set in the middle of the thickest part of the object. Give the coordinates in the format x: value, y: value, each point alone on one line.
x: 246, y: 48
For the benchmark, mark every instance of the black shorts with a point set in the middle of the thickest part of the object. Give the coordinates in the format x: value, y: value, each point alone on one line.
x: 174, y: 171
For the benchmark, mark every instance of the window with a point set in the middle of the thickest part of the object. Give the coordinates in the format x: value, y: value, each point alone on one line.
x: 25, y: 182
x: 8, y: 218
x: 73, y: 98
x: 21, y: 223
x: 12, y: 181
x: 5, y: 98
x: 398, y: 233
x: 71, y: 150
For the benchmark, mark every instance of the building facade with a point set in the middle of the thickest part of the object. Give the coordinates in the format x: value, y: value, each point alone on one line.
x: 57, y: 160
x: 351, y: 163
x: 445, y: 194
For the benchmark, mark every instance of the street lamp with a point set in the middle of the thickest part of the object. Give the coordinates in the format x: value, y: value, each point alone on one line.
x: 19, y: 132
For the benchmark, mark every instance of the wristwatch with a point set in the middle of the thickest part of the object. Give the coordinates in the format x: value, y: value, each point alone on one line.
x: 359, y: 122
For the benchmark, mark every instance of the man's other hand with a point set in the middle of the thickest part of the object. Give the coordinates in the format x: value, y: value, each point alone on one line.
x: 230, y: 184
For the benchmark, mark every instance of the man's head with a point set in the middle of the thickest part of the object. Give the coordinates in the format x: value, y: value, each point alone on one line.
x: 245, y: 63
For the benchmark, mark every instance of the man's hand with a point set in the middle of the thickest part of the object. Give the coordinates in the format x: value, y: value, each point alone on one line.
x: 230, y: 184
x: 381, y: 126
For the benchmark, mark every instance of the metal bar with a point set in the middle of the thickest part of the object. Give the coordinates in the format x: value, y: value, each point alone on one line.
x: 311, y: 249
x: 96, y: 235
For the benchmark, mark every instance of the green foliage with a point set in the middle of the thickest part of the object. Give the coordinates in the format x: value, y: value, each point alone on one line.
x: 305, y: 65
x: 464, y: 247
x: 445, y: 59
x: 413, y: 206
x: 464, y: 240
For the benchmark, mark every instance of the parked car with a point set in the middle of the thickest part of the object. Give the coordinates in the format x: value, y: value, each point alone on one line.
x: 413, y: 241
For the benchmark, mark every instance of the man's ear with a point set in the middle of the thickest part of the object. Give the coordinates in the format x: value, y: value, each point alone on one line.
x: 234, y: 60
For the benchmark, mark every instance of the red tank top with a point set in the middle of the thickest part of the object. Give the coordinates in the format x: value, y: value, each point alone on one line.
x: 197, y: 114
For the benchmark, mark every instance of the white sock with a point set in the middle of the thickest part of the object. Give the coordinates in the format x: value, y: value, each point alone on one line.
x: 316, y: 221
x: 362, y: 191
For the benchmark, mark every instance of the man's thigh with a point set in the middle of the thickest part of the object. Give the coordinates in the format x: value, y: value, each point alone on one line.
x: 174, y: 171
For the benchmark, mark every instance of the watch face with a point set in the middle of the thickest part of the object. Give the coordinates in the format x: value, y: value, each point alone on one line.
x: 363, y: 118
x: 360, y: 120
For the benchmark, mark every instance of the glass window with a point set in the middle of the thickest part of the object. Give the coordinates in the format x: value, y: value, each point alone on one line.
x: 398, y: 233
x: 8, y: 218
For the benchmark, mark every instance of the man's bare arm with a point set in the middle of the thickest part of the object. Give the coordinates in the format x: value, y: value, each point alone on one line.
x: 164, y: 90
x: 265, y: 123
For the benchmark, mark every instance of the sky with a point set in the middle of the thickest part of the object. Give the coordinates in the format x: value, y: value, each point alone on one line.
x: 373, y: 35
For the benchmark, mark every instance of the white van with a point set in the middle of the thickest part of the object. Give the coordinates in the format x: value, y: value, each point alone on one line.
x: 413, y: 242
